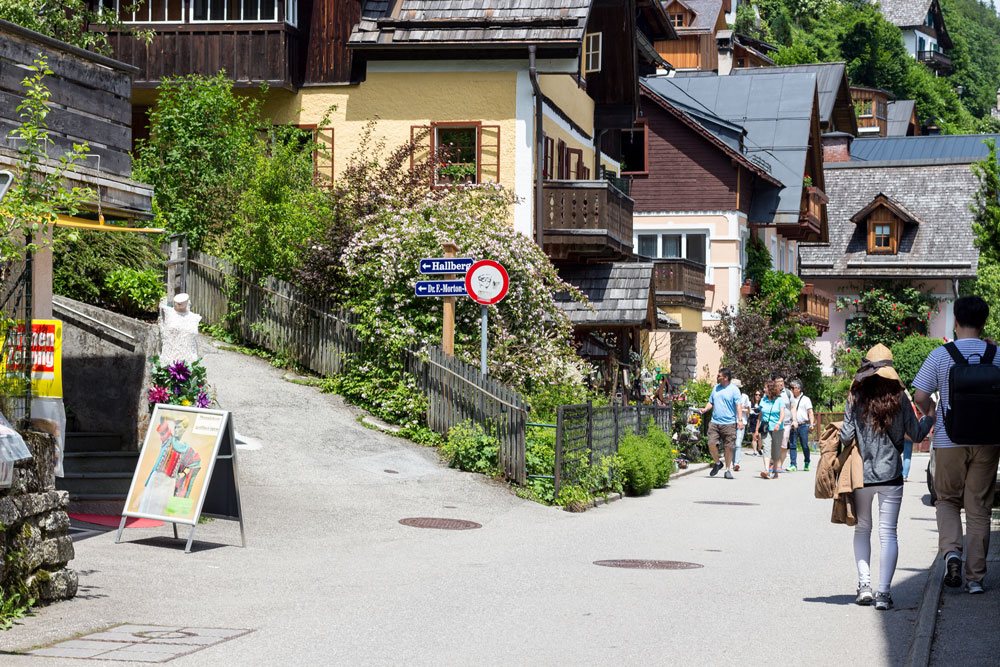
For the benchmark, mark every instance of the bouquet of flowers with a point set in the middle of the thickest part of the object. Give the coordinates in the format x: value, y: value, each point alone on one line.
x: 179, y: 383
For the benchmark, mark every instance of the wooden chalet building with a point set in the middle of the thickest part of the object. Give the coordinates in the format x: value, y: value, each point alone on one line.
x: 722, y: 158
x: 898, y: 215
x: 697, y: 23
x: 925, y: 35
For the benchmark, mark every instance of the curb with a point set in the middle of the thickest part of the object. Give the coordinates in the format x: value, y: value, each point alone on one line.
x: 923, y: 635
x: 690, y: 470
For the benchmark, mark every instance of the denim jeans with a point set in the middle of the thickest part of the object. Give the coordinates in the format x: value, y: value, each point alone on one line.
x: 799, y: 435
x: 907, y: 455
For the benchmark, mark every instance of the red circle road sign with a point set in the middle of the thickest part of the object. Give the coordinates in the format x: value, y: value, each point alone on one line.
x: 487, y: 282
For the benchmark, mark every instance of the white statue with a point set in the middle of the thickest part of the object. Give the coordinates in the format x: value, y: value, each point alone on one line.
x: 178, y: 331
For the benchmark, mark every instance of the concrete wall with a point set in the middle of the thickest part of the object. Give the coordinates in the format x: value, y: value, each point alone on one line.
x: 105, y: 370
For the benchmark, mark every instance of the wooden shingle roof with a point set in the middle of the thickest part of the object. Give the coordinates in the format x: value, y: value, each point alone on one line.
x: 618, y: 294
x: 496, y: 22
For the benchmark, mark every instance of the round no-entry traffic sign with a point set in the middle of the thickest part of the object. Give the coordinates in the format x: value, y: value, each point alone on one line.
x: 487, y: 282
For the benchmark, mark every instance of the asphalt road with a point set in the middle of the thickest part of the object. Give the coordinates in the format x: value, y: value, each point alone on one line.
x: 329, y: 576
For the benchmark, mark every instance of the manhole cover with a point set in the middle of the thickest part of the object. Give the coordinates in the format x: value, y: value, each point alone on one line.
x: 724, y: 502
x: 441, y: 524
x: 639, y: 564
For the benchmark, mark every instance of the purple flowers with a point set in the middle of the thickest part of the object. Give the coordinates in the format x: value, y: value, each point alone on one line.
x: 179, y: 371
x: 203, y: 400
x: 158, y: 395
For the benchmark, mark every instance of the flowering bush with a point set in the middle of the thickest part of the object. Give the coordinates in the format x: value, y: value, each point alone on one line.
x: 179, y: 383
x: 887, y: 315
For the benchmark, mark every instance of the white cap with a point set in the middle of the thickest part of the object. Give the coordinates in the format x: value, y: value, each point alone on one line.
x: 181, y: 298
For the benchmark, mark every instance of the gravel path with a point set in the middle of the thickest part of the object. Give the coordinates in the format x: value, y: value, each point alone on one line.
x: 329, y: 576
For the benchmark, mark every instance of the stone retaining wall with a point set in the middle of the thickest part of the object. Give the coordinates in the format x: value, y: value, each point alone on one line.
x: 683, y: 356
x: 34, y: 528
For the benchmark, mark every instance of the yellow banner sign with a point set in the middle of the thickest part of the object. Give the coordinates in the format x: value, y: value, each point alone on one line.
x: 46, y: 356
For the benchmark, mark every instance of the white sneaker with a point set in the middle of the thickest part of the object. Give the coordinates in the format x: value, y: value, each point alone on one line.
x: 975, y: 588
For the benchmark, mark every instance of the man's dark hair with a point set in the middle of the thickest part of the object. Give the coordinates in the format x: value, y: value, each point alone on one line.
x: 971, y: 311
x: 777, y: 376
x: 726, y: 372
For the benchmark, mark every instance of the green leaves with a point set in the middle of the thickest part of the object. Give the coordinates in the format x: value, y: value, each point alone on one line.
x: 886, y: 313
x: 134, y: 292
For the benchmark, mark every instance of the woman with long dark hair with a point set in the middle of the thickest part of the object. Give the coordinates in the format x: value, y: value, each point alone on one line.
x: 879, y: 417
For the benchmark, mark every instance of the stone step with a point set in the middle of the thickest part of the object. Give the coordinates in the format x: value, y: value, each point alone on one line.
x: 93, y: 442
x: 87, y: 462
x: 106, y: 484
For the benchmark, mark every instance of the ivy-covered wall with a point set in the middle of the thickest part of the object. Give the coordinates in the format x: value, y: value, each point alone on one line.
x: 34, y: 533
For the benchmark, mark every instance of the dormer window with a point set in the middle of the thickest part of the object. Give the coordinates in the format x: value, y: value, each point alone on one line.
x: 592, y: 52
x: 677, y: 20
x: 882, y: 236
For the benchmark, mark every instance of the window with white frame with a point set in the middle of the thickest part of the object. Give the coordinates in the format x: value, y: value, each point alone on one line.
x: 781, y: 256
x: 592, y: 52
x: 774, y: 253
x: 691, y: 245
x: 234, y: 10
x: 150, y: 11
x: 202, y: 11
x: 791, y: 258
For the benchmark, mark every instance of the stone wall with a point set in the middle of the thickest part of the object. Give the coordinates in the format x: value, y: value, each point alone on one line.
x: 34, y: 528
x: 106, y: 370
x: 683, y: 356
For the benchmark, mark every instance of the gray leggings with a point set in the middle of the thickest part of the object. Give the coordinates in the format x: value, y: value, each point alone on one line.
x: 772, y: 445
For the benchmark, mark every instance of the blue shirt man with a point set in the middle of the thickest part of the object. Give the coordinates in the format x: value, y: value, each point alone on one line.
x: 724, y: 402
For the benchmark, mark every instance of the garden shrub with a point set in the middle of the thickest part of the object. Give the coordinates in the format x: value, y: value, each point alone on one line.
x: 540, y: 463
x: 758, y: 256
x: 663, y: 455
x: 470, y: 448
x: 638, y: 465
x: 908, y: 356
x: 134, y: 292
x: 83, y: 262
x: 780, y: 290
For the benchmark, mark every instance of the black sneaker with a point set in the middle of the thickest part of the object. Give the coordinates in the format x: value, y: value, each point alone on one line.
x: 865, y: 597
x: 883, y: 601
x: 715, y: 469
x: 953, y: 570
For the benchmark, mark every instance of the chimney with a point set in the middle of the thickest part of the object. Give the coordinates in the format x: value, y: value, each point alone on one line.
x: 724, y: 41
x: 837, y: 147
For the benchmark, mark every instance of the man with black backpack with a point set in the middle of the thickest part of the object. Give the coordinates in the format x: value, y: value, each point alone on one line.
x: 966, y: 439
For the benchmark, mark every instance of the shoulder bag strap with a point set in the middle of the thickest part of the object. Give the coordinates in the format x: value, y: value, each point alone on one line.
x: 955, y: 354
x: 991, y: 352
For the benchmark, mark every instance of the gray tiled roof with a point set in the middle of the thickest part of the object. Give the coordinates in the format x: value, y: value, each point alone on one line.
x: 464, y: 21
x: 898, y: 117
x: 776, y: 112
x: 905, y: 12
x: 928, y: 149
x: 706, y: 13
x: 940, y: 246
x: 619, y: 294
x: 829, y: 78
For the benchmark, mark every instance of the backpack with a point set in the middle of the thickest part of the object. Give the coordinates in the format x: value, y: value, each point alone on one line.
x: 973, y: 414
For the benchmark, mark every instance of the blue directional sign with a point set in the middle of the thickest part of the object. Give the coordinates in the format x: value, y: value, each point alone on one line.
x: 445, y: 264
x: 440, y: 288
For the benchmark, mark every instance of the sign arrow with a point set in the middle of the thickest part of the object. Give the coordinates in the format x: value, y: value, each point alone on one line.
x: 440, y: 288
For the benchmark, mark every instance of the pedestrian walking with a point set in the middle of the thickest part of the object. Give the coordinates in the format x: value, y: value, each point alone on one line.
x: 753, y: 424
x: 801, y: 410
x: 878, y: 418
x: 965, y: 440
x: 724, y: 403
x: 772, y: 416
x: 786, y: 426
x: 741, y: 425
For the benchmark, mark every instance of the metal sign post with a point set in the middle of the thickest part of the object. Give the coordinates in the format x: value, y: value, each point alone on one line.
x: 483, y: 328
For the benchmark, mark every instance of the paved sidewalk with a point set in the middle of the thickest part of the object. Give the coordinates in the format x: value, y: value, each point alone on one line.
x: 966, y: 632
x: 329, y: 576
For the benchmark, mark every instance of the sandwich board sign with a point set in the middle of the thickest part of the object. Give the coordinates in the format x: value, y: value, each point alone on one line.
x: 187, y: 468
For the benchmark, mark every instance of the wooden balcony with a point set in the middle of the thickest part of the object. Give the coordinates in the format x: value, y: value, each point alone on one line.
x: 586, y: 220
x: 250, y: 53
x: 815, y: 305
x: 679, y: 282
x: 810, y: 225
x: 936, y: 60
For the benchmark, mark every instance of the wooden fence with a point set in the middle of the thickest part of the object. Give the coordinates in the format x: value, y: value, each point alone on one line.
x: 583, y: 430
x: 319, y: 335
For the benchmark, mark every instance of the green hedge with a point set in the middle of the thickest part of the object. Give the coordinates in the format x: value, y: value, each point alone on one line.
x: 645, y: 462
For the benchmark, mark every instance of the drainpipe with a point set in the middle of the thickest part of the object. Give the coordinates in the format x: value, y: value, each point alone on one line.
x: 539, y: 146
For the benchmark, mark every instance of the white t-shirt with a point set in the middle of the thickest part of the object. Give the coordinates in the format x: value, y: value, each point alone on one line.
x: 744, y: 402
x: 800, y: 408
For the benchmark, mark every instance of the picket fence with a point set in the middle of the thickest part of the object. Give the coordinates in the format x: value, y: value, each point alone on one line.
x: 319, y: 335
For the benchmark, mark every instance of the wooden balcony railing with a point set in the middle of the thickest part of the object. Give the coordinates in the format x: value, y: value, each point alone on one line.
x: 586, y: 220
x: 935, y: 60
x: 815, y: 305
x: 810, y: 217
x: 679, y: 282
x: 250, y: 53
